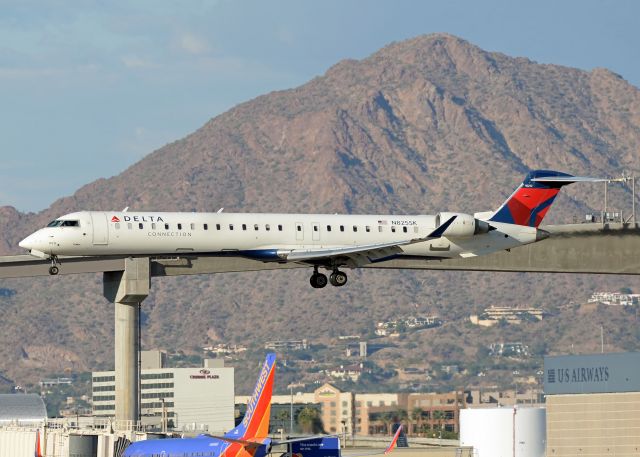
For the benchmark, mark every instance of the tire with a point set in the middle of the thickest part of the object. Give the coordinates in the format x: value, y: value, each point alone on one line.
x: 318, y: 280
x: 53, y: 270
x: 321, y: 280
x: 338, y: 278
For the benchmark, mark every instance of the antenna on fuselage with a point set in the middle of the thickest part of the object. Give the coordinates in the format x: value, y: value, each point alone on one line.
x: 220, y: 210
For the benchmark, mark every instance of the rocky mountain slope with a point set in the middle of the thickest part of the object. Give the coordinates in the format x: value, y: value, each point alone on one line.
x: 428, y: 124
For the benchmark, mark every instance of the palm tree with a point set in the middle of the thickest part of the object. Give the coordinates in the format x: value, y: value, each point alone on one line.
x: 387, y: 419
x: 309, y: 420
x: 401, y: 415
x: 416, y: 415
x: 440, y: 416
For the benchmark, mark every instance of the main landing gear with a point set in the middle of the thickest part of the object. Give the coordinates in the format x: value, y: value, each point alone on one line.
x: 318, y: 280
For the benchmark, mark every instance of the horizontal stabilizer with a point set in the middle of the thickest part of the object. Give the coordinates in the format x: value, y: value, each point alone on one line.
x: 568, y: 179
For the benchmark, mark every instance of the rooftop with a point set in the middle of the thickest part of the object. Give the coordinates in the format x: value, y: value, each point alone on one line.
x: 22, y: 408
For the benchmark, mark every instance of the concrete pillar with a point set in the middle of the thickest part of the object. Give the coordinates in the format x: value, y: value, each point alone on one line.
x: 127, y: 289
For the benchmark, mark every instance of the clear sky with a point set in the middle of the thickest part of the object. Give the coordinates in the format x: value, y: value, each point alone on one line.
x: 89, y: 87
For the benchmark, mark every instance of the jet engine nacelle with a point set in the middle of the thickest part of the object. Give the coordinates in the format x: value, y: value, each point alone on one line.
x: 463, y: 225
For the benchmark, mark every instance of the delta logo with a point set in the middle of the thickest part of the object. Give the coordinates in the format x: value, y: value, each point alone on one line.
x: 138, y: 219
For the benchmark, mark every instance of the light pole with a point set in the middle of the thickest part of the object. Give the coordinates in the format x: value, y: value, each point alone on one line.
x: 291, y: 411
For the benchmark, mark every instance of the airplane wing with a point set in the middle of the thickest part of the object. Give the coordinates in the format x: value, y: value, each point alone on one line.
x: 364, y: 253
x: 300, y: 439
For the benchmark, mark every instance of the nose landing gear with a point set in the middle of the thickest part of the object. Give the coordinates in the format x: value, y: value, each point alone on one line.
x: 53, y: 269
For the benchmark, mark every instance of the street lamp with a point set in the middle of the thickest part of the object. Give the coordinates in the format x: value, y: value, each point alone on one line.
x: 291, y: 411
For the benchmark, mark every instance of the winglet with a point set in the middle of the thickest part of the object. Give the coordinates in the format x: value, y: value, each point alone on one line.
x: 437, y: 233
x: 395, y: 437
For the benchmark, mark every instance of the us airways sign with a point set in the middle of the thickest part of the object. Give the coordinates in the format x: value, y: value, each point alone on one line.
x: 593, y: 373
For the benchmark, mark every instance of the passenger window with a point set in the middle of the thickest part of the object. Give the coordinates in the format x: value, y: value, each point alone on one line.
x: 140, y: 225
x: 153, y: 226
x: 193, y: 226
x: 117, y: 225
x: 255, y: 227
x: 206, y: 226
x: 129, y: 225
x: 279, y: 228
x: 267, y: 227
x: 244, y: 226
x: 179, y: 226
x: 230, y: 226
x: 166, y: 226
x: 328, y: 228
x: 393, y: 228
x: 342, y: 228
x: 355, y: 228
x: 404, y: 229
x: 217, y: 226
x: 367, y: 229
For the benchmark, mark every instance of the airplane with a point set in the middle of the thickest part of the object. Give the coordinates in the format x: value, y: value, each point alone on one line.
x: 329, y: 241
x: 248, y: 439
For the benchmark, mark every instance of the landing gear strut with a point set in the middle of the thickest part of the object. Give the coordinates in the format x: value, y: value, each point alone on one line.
x: 318, y: 280
x: 338, y: 278
x: 53, y: 269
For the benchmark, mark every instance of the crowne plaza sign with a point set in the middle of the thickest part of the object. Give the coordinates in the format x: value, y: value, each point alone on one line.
x: 592, y: 373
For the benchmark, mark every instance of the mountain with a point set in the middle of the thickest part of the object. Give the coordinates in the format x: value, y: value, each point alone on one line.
x: 428, y: 124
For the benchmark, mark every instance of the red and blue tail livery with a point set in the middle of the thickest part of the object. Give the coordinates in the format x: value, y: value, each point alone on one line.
x: 532, y: 199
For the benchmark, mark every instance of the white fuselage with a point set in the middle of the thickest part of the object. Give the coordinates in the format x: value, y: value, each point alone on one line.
x: 257, y: 235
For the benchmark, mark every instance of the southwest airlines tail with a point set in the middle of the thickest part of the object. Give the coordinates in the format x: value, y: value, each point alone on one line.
x: 532, y: 199
x: 255, y: 423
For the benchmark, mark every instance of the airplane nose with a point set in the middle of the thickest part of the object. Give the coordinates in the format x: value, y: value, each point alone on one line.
x: 27, y: 243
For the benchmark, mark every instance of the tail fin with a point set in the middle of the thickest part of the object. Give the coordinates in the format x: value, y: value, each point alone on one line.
x: 532, y: 199
x: 255, y: 423
x: 394, y: 440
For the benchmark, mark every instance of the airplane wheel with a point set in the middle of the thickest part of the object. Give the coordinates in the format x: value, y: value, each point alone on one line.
x: 338, y: 278
x: 318, y: 280
x: 53, y: 270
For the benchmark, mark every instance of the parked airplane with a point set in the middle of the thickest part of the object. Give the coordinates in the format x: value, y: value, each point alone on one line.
x: 318, y: 240
x: 248, y: 439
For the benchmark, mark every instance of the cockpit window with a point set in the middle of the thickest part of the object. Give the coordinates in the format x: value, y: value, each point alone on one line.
x: 59, y: 223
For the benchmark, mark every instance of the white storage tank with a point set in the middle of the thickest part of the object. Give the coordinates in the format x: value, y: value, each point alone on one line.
x: 504, y: 432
